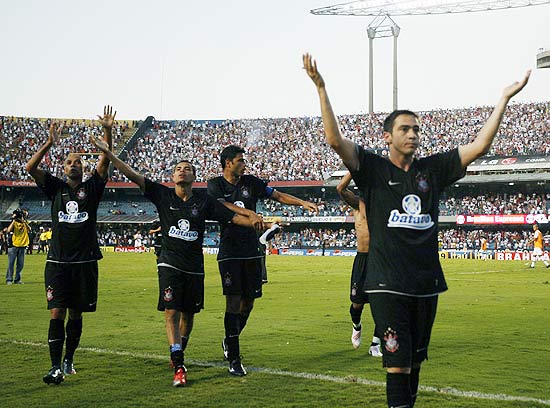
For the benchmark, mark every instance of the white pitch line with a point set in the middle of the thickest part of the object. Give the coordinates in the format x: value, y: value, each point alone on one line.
x: 310, y: 376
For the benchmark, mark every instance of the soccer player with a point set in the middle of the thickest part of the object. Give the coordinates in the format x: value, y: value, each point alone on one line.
x: 71, y: 271
x: 483, y: 248
x: 182, y: 213
x: 359, y: 272
x: 401, y: 196
x: 240, y: 256
x: 537, y: 254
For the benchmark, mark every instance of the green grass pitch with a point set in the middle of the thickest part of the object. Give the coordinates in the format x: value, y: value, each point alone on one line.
x: 491, y: 340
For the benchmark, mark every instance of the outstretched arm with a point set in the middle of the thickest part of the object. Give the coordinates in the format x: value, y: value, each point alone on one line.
x: 484, y: 139
x: 32, y: 164
x: 252, y: 219
x: 344, y: 147
x: 107, y: 121
x: 129, y: 172
x: 288, y: 199
x: 349, y: 198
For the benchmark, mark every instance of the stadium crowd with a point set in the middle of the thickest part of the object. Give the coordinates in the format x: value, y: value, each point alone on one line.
x: 22, y: 137
x: 491, y: 203
x: 278, y: 149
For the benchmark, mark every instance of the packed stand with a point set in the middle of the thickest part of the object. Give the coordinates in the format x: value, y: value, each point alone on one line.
x: 295, y: 149
x: 22, y: 137
x: 496, y: 204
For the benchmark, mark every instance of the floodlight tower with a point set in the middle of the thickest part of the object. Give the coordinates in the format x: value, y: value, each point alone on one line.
x: 382, y: 24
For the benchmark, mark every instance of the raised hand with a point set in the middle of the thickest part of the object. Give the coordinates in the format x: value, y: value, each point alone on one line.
x: 55, y: 132
x: 108, y: 118
x: 517, y: 86
x: 311, y: 207
x: 310, y: 65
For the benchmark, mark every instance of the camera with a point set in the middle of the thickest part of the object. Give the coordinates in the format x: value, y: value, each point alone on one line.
x: 18, y: 214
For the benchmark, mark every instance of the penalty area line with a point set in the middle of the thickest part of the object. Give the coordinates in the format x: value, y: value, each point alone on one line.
x: 309, y: 376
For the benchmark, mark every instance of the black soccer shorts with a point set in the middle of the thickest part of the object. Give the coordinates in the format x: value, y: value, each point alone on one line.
x: 180, y: 291
x: 404, y: 324
x: 71, y: 285
x: 241, y: 277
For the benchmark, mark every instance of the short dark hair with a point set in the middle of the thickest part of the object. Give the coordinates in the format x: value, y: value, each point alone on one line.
x: 185, y: 161
x: 229, y: 153
x: 390, y: 119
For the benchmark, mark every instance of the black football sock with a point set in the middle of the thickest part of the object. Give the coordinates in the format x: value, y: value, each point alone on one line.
x: 74, y: 331
x: 176, y: 354
x: 56, y: 338
x: 243, y: 318
x: 356, y: 316
x: 184, y: 341
x: 231, y: 322
x: 415, y: 377
x: 398, y: 390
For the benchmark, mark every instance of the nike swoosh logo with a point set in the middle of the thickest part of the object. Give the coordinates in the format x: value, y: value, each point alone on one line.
x: 394, y: 183
x: 227, y: 195
x: 53, y: 341
x: 174, y: 208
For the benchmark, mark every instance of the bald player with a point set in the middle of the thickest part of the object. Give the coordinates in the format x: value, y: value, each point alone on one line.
x: 71, y: 271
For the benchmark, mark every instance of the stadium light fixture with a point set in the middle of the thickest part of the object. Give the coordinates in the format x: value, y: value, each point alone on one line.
x: 381, y: 10
x: 421, y: 7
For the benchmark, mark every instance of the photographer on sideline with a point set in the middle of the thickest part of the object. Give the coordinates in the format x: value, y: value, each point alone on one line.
x: 18, y: 239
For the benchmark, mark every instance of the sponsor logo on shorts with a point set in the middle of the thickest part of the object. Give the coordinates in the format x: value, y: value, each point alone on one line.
x: 168, y: 294
x: 390, y: 337
x: 227, y: 280
x: 354, y: 290
x: 49, y: 293
x: 72, y: 216
x: 412, y: 218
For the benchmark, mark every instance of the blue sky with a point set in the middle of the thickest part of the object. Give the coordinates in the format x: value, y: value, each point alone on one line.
x: 242, y: 59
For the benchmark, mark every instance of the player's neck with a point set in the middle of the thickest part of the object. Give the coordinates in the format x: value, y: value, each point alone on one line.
x: 185, y: 192
x: 73, y: 183
x: 400, y: 160
x: 231, y: 177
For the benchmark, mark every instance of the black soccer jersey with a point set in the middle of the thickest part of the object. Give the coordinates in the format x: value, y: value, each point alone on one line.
x: 74, y: 217
x: 183, y: 224
x: 237, y: 242
x: 402, y: 210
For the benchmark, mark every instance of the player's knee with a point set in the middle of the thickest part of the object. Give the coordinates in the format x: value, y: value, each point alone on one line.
x: 58, y: 313
x: 398, y: 370
x: 233, y: 304
x: 247, y: 304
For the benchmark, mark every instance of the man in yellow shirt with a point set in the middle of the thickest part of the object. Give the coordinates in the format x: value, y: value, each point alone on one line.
x: 18, y: 236
x: 537, y: 254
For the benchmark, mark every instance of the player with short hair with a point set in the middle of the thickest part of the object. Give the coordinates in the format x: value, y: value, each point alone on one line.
x: 183, y: 214
x: 240, y: 256
x: 71, y: 272
x: 483, y: 248
x: 401, y: 195
x: 537, y: 254
x: 358, y: 296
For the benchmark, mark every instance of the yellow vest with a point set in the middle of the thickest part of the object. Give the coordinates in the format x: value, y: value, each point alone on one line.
x: 20, y: 236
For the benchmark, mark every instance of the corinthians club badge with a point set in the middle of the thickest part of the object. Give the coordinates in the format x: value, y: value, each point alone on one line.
x: 422, y: 183
x: 390, y: 337
x: 168, y: 294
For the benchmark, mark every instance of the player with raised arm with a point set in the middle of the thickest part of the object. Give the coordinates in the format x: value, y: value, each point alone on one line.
x: 357, y: 295
x: 240, y: 256
x: 183, y: 213
x: 71, y: 272
x: 401, y: 196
